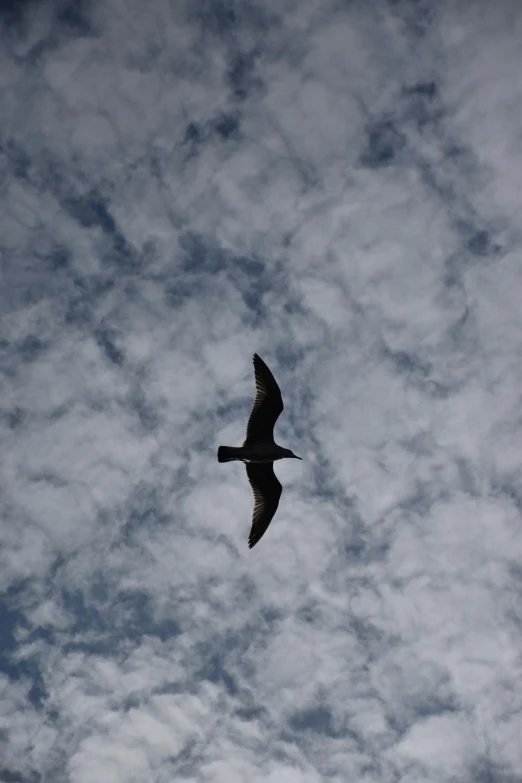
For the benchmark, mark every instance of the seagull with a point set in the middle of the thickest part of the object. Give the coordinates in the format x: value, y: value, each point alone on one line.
x: 259, y: 450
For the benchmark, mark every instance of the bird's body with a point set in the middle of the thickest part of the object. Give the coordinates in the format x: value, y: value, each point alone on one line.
x: 259, y: 450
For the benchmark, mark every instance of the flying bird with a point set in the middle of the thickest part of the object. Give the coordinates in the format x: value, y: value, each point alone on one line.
x: 259, y: 450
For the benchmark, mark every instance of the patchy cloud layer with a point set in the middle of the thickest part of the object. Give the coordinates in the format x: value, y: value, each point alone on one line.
x: 335, y: 186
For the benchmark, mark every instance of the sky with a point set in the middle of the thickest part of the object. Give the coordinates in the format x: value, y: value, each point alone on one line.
x: 336, y: 186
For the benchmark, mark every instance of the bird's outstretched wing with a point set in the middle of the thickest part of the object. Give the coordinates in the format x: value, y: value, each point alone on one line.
x: 267, y: 491
x: 268, y: 404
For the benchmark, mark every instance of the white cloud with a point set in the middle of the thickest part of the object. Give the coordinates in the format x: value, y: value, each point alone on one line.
x: 335, y: 189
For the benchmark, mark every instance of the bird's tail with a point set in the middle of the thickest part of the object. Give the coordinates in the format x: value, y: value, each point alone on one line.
x: 229, y: 453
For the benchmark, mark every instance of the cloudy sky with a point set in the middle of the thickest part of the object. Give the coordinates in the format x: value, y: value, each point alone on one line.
x: 335, y: 185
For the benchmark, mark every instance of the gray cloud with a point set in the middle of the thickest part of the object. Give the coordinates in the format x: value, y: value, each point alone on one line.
x: 336, y: 188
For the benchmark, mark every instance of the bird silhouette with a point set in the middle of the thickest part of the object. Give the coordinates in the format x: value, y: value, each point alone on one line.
x: 259, y: 450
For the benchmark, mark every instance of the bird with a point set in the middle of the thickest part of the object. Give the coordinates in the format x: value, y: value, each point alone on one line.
x: 259, y: 450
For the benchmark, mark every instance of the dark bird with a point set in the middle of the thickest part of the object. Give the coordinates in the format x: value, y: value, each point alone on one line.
x: 259, y: 450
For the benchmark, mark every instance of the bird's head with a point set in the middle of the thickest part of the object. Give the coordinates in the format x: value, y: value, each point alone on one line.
x: 291, y: 455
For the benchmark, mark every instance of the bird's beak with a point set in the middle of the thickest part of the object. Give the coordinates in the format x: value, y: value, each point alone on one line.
x: 296, y: 457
